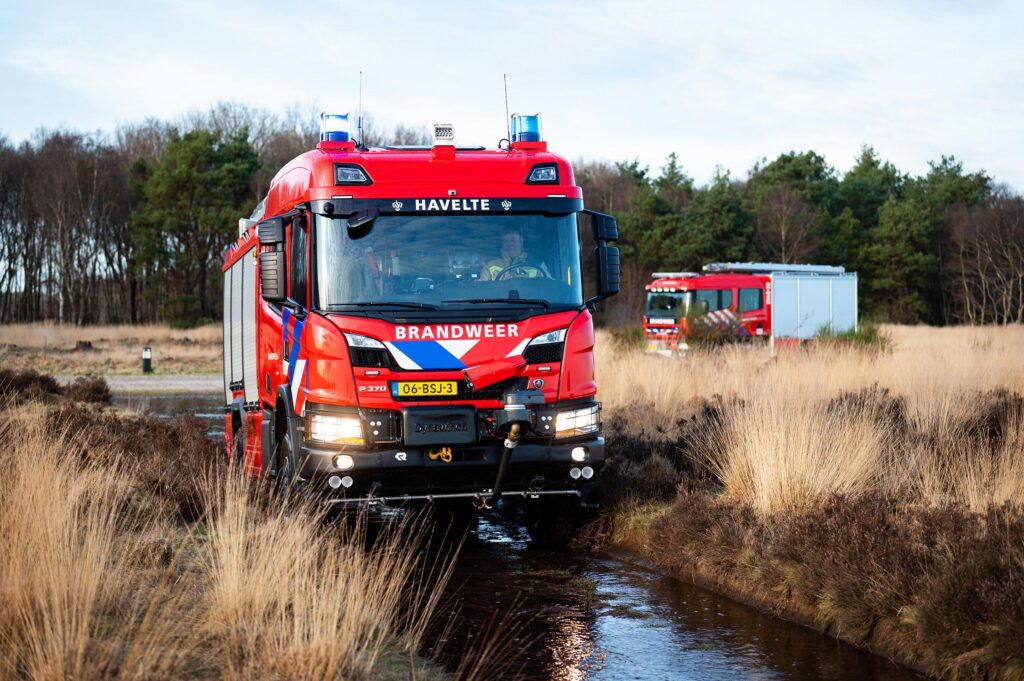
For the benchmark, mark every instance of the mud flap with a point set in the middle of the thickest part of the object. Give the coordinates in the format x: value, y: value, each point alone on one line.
x: 267, y: 442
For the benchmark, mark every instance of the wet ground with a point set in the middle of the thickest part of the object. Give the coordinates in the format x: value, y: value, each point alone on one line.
x: 575, y: 615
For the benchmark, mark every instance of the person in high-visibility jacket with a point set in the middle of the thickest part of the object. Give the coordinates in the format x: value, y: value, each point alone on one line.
x: 513, y: 259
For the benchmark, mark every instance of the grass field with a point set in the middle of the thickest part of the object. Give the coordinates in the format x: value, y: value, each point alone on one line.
x: 71, y: 350
x: 118, y: 565
x: 873, y: 491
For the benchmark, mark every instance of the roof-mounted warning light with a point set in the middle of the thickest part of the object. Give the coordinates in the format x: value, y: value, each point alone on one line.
x: 526, y: 132
x: 335, y: 131
x: 444, y: 135
x: 444, y: 142
x: 526, y: 128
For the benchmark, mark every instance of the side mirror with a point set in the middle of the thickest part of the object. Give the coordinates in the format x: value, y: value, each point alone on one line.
x: 273, y: 276
x: 605, y: 227
x: 271, y: 232
x: 608, y: 270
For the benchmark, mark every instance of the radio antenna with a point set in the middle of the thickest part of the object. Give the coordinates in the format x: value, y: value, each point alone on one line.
x: 508, y: 121
x: 361, y: 109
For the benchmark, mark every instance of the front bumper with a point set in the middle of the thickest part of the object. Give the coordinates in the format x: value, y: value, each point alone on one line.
x: 406, y: 473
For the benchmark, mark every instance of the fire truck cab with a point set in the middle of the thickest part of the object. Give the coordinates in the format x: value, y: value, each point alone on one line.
x: 770, y: 302
x: 409, y: 325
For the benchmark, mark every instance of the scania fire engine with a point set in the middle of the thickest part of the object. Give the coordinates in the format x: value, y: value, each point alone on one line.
x: 408, y: 324
x: 778, y: 303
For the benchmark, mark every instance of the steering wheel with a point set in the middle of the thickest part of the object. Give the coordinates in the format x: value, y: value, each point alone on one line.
x: 524, y: 265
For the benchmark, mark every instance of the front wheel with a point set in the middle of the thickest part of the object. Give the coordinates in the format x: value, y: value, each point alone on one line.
x: 550, y: 520
x: 286, y: 465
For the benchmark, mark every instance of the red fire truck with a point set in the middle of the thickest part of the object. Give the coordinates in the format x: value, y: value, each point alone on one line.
x: 408, y: 324
x: 774, y: 302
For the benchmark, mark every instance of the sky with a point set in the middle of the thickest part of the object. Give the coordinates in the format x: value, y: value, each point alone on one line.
x: 723, y: 84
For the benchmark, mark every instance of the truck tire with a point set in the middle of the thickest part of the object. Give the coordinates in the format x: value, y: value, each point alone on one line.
x: 284, y: 459
x: 550, y: 520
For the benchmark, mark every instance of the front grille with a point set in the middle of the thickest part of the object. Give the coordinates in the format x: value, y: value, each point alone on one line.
x: 544, y: 354
x: 370, y: 357
x: 495, y: 391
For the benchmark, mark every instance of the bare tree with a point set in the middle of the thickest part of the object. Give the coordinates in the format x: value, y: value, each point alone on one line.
x: 986, y: 272
x: 786, y: 227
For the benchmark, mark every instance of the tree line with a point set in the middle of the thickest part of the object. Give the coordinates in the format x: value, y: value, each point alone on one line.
x: 946, y: 247
x: 129, y: 227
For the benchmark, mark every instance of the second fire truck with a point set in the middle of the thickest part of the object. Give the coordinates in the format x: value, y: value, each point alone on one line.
x: 772, y: 302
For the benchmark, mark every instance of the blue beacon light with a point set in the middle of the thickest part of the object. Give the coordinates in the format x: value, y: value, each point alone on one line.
x: 334, y: 127
x: 526, y: 128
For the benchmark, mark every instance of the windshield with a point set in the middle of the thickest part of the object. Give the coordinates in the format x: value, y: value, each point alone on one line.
x: 666, y: 304
x: 449, y: 260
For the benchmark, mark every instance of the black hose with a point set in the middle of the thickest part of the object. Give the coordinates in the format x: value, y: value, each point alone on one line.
x: 499, y: 481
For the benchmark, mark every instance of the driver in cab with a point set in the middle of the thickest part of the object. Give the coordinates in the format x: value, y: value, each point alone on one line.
x: 514, y: 262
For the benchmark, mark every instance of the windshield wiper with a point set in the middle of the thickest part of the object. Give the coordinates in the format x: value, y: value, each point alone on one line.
x: 526, y: 301
x: 418, y: 306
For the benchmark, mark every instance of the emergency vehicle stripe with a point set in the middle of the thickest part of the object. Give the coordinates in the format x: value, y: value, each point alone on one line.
x: 296, y: 382
x: 519, y: 349
x: 400, y: 357
x: 296, y: 334
x: 429, y: 354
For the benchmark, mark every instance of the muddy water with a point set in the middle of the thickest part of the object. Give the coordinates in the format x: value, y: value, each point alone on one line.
x: 581, y: 616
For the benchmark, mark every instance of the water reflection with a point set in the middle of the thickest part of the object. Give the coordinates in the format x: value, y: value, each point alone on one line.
x: 598, y: 618
x: 208, y: 408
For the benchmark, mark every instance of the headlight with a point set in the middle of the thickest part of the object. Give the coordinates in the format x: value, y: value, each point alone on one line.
x: 335, y: 430
x: 354, y: 340
x: 556, y: 336
x: 578, y: 421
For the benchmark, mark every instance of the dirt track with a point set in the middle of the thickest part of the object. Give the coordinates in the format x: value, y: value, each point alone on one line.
x: 162, y: 384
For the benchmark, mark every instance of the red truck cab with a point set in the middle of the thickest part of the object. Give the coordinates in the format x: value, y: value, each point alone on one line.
x: 409, y: 324
x: 732, y: 303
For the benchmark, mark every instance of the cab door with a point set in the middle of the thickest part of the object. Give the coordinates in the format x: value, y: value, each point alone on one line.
x: 751, y: 310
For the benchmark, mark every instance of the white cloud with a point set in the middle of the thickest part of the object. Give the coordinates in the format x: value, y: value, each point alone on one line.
x: 722, y: 84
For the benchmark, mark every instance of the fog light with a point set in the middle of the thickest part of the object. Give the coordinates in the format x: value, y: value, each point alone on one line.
x: 344, y: 462
x: 579, y: 454
x: 587, y: 472
x: 575, y: 473
x: 334, y: 481
x: 346, y: 482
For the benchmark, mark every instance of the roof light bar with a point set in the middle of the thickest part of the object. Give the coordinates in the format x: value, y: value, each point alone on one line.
x: 669, y: 275
x: 766, y: 267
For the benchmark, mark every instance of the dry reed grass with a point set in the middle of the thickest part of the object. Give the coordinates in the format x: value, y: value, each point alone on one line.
x: 913, y: 420
x: 53, y: 348
x: 102, y: 580
x: 876, y: 493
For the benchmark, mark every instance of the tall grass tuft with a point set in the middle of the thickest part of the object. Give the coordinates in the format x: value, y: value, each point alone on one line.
x: 103, y: 578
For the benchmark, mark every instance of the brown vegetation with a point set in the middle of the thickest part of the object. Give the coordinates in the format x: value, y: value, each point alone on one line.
x: 107, y: 572
x: 873, y: 492
x: 67, y: 349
